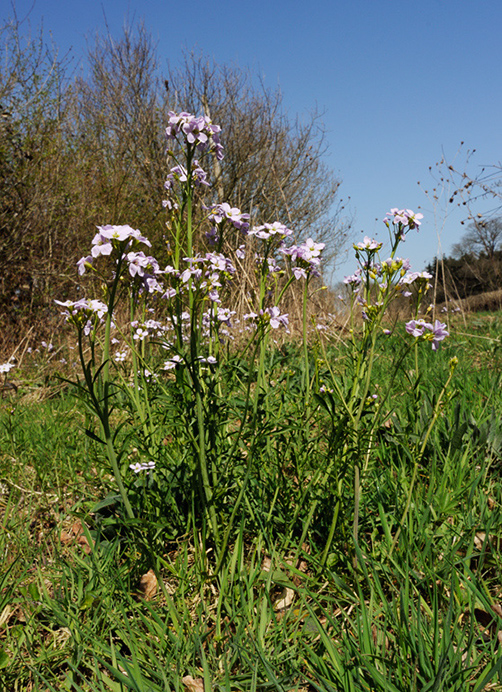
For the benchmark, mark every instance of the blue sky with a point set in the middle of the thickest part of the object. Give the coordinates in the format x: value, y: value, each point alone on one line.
x: 399, y: 82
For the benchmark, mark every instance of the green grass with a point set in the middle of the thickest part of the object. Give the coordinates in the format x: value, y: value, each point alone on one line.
x: 412, y: 605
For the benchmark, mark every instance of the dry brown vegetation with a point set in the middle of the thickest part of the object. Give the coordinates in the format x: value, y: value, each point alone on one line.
x: 85, y: 148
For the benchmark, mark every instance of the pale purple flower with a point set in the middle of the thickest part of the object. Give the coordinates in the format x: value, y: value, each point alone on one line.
x: 179, y: 173
x: 212, y: 236
x: 138, y: 467
x: 395, y: 264
x: 210, y: 360
x: 84, y: 305
x: 368, y: 244
x: 439, y: 331
x: 192, y: 272
x: 306, y: 258
x: 353, y: 280
x: 218, y: 262
x: 274, y: 317
x: 103, y: 242
x: 418, y: 327
x: 140, y: 334
x: 411, y: 277
x: 198, y: 131
x: 273, y: 267
x: 224, y: 315
x: 100, y: 248
x: 432, y: 332
x: 6, y: 367
x: 402, y: 218
x: 299, y: 273
x: 223, y: 211
x: 314, y: 249
x: 120, y: 234
x: 152, y: 285
x: 270, y: 230
x: 150, y: 376
x: 139, y: 264
x: 172, y: 362
x: 83, y: 263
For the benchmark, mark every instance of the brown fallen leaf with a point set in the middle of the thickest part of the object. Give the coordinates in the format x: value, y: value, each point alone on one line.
x: 497, y: 609
x: 66, y: 538
x: 193, y: 685
x: 266, y: 564
x: 479, y: 540
x: 148, y: 585
x: 288, y: 596
x: 76, y: 533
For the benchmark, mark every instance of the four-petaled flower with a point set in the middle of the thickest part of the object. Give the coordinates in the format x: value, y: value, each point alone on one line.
x: 368, y: 244
x: 426, y: 330
x: 138, y: 467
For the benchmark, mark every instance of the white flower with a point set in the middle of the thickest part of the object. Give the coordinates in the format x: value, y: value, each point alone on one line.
x: 6, y: 367
x: 138, y: 467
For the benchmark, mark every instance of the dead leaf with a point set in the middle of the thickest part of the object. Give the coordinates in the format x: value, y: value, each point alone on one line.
x: 148, y: 585
x: 192, y: 684
x: 497, y: 609
x: 5, y: 615
x: 266, y: 564
x: 66, y: 538
x: 84, y: 544
x: 286, y: 600
x: 479, y: 540
x: 76, y: 533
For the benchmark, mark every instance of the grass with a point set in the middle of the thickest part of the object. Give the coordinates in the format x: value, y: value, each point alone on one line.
x: 91, y: 602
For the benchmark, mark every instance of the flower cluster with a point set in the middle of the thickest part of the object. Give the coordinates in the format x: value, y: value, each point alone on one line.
x: 271, y: 316
x: 222, y: 212
x: 354, y: 280
x: 306, y: 258
x: 108, y: 238
x: 418, y: 279
x: 271, y: 230
x: 84, y: 313
x: 179, y: 174
x: 197, y: 131
x: 402, y: 219
x: 368, y: 244
x: 375, y: 282
x: 426, y: 331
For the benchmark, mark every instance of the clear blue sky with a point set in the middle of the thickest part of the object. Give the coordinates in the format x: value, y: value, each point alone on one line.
x: 399, y: 81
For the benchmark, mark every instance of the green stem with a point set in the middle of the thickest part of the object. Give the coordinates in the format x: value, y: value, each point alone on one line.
x: 204, y: 476
x: 306, y: 373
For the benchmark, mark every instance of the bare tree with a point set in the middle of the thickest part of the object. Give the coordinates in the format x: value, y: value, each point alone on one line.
x: 33, y: 157
x: 86, y: 150
x: 483, y: 238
